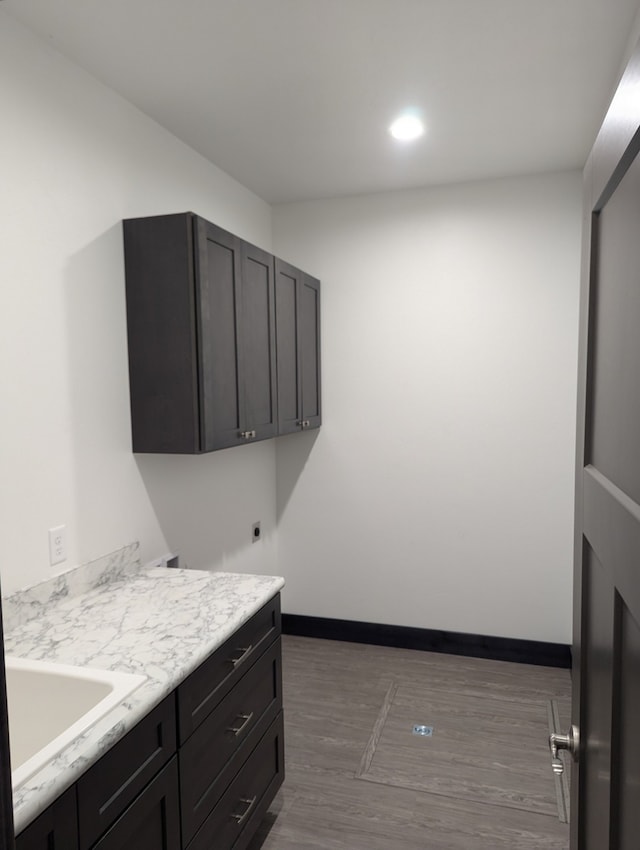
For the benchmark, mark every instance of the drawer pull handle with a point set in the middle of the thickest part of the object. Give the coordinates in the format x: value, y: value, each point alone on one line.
x: 238, y: 729
x: 249, y: 804
x: 245, y: 652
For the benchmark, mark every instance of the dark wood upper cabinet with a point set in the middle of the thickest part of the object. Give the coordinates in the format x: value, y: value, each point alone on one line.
x: 297, y: 349
x: 201, y: 335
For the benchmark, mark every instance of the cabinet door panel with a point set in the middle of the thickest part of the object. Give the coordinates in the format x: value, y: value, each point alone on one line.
x: 258, y: 342
x: 287, y: 347
x: 218, y: 273
x: 309, y: 343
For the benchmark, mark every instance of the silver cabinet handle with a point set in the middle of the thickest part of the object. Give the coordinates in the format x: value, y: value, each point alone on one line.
x: 569, y: 742
x: 249, y: 804
x: 245, y: 651
x: 247, y: 435
x: 304, y: 423
x: 238, y: 729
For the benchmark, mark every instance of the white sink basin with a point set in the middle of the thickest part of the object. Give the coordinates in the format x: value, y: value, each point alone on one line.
x: 51, y: 704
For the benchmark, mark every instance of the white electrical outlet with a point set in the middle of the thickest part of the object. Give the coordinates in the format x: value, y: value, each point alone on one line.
x: 57, y: 545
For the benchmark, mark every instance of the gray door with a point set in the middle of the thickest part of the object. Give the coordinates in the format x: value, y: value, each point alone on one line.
x: 606, y: 700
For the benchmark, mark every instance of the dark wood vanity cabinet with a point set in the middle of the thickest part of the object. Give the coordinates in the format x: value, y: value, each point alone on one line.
x: 201, y: 336
x: 297, y: 349
x: 198, y: 772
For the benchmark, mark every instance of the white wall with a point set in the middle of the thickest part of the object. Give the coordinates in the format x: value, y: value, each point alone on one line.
x: 439, y: 491
x: 632, y: 43
x: 76, y: 159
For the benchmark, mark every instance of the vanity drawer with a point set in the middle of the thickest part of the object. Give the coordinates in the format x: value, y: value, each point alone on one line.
x: 233, y: 821
x: 199, y: 695
x: 108, y: 787
x: 215, y: 752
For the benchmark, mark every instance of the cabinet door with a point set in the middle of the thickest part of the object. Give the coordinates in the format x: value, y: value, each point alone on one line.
x: 55, y: 829
x: 309, y: 351
x: 218, y: 270
x: 152, y: 821
x: 297, y: 349
x: 287, y: 347
x: 257, y: 338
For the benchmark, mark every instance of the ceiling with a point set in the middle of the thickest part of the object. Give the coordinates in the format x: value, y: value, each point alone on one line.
x: 293, y: 97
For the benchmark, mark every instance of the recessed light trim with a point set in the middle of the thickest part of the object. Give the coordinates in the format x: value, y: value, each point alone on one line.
x: 407, y: 127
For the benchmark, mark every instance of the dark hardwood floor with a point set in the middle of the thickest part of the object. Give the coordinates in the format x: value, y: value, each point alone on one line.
x: 358, y: 778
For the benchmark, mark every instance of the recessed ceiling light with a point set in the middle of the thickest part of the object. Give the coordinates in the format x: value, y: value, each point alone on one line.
x: 407, y: 127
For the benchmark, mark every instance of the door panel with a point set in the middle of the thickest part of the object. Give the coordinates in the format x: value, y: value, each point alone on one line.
x: 289, y: 408
x: 614, y: 443
x: 221, y: 357
x: 258, y: 341
x: 626, y: 755
x: 596, y: 724
x: 310, y: 349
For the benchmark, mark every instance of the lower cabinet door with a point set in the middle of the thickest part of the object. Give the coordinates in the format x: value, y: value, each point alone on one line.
x: 152, y: 821
x: 55, y: 829
x: 242, y: 807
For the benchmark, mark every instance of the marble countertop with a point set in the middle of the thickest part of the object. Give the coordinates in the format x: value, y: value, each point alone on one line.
x: 161, y: 623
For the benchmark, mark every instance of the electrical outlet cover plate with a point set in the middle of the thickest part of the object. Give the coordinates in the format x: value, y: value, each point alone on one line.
x: 57, y: 545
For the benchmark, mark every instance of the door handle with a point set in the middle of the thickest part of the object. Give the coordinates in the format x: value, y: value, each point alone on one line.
x: 569, y: 742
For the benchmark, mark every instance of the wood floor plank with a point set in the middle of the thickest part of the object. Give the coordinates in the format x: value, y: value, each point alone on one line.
x: 339, y: 814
